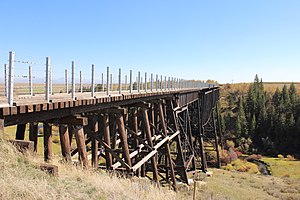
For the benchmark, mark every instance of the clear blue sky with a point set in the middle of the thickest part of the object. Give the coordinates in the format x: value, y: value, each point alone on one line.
x: 224, y: 40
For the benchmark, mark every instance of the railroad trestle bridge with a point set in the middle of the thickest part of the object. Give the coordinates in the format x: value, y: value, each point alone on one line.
x: 162, y: 134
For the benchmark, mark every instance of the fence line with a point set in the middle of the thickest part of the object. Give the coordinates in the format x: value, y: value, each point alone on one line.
x: 120, y: 86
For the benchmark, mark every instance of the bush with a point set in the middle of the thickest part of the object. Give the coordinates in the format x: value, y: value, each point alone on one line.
x: 229, y: 144
x: 239, y: 154
x: 254, y: 156
x: 242, y: 166
x: 232, y: 155
x: 280, y: 156
x: 211, y: 156
x: 228, y: 167
x: 290, y: 158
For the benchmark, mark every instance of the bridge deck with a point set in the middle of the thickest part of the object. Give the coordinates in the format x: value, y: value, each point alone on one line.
x: 61, y: 105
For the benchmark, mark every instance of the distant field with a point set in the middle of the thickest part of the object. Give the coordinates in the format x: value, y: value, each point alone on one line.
x: 23, y: 88
x: 283, y: 167
x: 269, y: 86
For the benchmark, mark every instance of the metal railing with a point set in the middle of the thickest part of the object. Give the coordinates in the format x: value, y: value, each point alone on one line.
x: 121, y: 86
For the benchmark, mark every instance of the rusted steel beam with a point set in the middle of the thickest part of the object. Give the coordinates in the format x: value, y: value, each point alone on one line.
x: 20, y: 132
x: 80, y: 141
x: 65, y: 143
x: 33, y: 134
x: 48, y: 153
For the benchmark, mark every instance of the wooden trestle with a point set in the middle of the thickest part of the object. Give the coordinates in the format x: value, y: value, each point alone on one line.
x: 161, y: 137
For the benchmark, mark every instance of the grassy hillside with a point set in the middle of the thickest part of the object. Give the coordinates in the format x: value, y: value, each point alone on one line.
x: 20, y: 179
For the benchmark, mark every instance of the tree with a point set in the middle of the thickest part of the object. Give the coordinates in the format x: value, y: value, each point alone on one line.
x: 252, y: 127
x: 264, y: 118
x: 286, y: 97
x: 293, y: 97
x: 241, y: 127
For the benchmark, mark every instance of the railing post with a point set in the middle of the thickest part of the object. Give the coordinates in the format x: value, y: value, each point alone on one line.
x: 80, y: 81
x: 107, y: 81
x: 102, y: 81
x: 145, y: 81
x: 66, y: 81
x: 151, y: 83
x: 126, y: 83
x: 11, y: 78
x: 156, y: 83
x: 5, y: 79
x: 120, y: 83
x: 130, y: 82
x: 73, y: 81
x: 139, y: 83
x: 30, y: 81
x: 165, y: 82
x: 93, y: 81
x: 173, y: 83
x: 161, y: 82
x: 111, y: 83
x: 50, y: 80
x: 47, y: 80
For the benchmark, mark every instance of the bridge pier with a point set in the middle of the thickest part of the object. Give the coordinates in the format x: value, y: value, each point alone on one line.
x: 106, y: 134
x: 20, y: 132
x: 65, y: 143
x: 33, y: 134
x: 48, y: 152
x: 94, y: 127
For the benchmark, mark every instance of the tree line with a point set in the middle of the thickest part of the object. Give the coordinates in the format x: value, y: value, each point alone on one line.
x: 262, y: 121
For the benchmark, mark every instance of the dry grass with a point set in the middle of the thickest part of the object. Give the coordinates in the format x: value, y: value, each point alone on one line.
x: 242, y: 88
x: 19, y: 179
